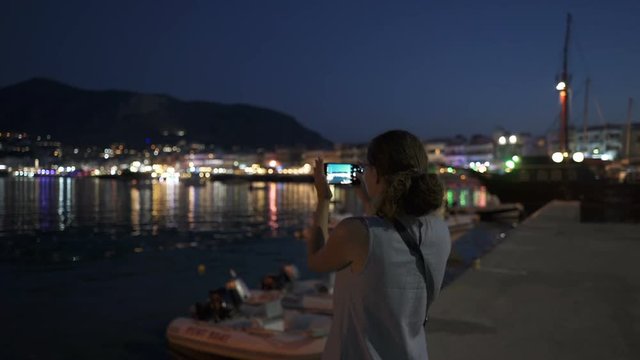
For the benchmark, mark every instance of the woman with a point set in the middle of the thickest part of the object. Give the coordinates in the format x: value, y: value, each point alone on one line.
x: 380, y: 295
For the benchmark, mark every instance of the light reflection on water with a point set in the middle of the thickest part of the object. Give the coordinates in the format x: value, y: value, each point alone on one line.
x: 29, y: 205
x: 112, y: 212
x: 123, y: 260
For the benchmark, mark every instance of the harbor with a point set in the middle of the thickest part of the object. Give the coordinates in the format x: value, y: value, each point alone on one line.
x: 314, y: 180
x: 556, y: 288
x: 109, y: 264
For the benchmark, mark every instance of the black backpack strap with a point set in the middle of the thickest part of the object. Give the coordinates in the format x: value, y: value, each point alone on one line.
x: 423, y: 267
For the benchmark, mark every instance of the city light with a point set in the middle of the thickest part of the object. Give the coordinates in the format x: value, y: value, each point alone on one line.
x: 196, y: 162
x: 578, y: 157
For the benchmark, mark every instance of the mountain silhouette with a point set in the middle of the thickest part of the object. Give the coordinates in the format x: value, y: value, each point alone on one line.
x: 85, y: 117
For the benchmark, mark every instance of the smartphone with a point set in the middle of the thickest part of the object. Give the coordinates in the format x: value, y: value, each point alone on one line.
x: 342, y: 173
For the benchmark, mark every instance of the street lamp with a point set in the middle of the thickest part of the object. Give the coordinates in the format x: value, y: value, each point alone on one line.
x: 578, y: 157
x: 557, y: 157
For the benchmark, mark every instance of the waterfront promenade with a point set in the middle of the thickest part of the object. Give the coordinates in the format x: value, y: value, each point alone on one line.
x: 554, y: 289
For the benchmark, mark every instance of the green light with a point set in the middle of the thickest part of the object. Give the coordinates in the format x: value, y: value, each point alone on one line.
x: 510, y: 164
x: 515, y: 158
x: 450, y: 198
x: 450, y: 169
x: 464, y: 194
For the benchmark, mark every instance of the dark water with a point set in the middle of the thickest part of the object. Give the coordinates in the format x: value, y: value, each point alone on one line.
x: 97, y: 268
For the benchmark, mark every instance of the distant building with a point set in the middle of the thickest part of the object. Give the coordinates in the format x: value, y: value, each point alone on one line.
x: 604, y: 142
x: 354, y: 154
x: 535, y: 146
x: 346, y: 153
x: 460, y: 151
x: 600, y: 141
x: 509, y: 144
x: 633, y: 150
x: 206, y: 160
x: 480, y: 148
x: 435, y: 149
x: 455, y: 152
x: 15, y: 144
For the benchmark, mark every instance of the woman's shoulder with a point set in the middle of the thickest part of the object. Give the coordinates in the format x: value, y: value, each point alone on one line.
x: 435, y: 218
x: 353, y: 224
x: 353, y: 235
x: 438, y: 230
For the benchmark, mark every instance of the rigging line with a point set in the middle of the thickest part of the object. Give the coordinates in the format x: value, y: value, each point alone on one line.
x: 583, y: 59
x: 553, y: 125
x: 599, y: 110
x: 581, y: 55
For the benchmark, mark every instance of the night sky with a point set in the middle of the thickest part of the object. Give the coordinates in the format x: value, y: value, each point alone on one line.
x: 348, y: 69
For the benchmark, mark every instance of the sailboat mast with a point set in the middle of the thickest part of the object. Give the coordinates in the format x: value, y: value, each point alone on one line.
x: 628, y: 152
x: 564, y: 91
x: 585, y: 116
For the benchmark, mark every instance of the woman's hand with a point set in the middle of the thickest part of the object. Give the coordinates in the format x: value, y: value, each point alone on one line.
x: 363, y: 195
x: 320, y: 181
x: 319, y: 233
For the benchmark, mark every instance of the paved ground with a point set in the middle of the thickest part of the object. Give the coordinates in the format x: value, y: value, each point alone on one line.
x: 554, y: 289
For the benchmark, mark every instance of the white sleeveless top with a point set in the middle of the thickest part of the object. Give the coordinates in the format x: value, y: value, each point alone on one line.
x: 379, y: 312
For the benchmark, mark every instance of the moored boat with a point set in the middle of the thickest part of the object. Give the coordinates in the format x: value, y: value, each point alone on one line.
x: 294, y: 335
x: 240, y: 324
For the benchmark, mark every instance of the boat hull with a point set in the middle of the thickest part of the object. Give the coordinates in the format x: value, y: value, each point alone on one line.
x: 208, y: 338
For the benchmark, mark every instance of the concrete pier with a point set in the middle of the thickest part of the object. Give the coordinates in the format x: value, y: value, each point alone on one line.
x: 554, y: 289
